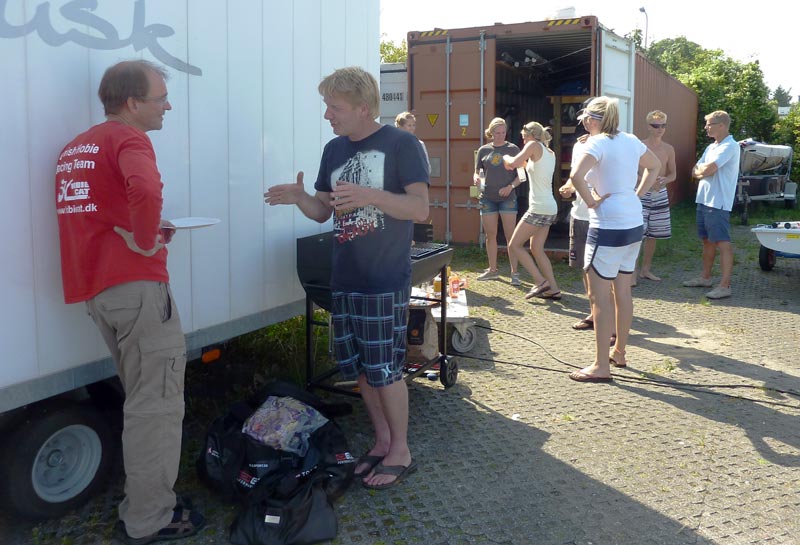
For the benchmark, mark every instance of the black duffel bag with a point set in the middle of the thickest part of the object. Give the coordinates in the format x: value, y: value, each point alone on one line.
x: 286, y: 511
x: 286, y: 498
x: 232, y: 464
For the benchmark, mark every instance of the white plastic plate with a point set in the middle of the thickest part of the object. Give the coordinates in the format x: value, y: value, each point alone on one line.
x: 193, y: 222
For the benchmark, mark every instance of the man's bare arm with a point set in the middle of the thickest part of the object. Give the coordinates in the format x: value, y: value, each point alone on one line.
x: 316, y: 207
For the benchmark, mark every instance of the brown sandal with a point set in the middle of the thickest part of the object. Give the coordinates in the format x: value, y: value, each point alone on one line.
x: 541, y: 288
x: 185, y: 523
x: 583, y: 324
x: 619, y: 361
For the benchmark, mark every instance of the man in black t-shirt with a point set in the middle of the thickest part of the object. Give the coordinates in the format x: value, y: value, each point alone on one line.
x: 374, y: 179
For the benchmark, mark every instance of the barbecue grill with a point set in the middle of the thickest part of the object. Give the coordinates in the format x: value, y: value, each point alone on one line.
x: 314, y: 259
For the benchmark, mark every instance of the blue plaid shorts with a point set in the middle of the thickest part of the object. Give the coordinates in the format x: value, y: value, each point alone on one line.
x: 369, y: 335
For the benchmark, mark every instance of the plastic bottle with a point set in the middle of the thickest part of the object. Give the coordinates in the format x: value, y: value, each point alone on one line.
x: 482, y: 178
x: 454, y: 285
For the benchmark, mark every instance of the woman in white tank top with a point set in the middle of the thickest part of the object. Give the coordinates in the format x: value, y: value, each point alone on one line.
x: 540, y: 163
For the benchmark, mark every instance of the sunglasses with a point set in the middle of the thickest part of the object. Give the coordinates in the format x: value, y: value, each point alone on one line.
x: 658, y: 125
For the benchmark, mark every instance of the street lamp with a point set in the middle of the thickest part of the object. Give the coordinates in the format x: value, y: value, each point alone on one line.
x: 646, y: 25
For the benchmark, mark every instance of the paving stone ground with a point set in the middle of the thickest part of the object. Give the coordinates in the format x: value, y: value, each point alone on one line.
x: 696, y: 442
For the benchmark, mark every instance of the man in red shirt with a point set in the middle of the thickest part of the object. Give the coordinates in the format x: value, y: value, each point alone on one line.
x: 113, y: 257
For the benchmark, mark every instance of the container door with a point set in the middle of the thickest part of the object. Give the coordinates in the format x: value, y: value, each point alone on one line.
x: 461, y: 127
x: 617, y: 68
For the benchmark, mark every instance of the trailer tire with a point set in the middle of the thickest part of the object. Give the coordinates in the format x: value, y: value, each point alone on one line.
x: 62, y: 456
x: 766, y: 258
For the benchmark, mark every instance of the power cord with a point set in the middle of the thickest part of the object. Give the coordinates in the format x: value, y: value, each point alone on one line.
x: 704, y: 388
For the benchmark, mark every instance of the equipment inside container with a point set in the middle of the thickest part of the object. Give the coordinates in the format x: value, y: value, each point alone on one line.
x: 545, y: 78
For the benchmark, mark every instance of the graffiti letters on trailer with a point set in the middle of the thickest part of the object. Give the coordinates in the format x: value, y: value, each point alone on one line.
x: 362, y: 169
x: 80, y: 12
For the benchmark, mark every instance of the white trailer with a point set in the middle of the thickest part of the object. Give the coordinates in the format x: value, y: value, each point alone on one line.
x: 246, y: 115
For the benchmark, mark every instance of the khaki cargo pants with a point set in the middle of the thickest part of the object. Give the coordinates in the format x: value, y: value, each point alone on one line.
x: 140, y: 324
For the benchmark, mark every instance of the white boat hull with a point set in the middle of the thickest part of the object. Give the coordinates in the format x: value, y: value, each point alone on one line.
x: 779, y: 238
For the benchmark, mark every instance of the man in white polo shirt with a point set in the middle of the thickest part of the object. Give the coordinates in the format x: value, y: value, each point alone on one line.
x: 717, y: 172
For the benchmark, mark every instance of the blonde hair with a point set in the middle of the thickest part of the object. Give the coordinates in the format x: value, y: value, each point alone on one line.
x: 538, y: 132
x: 608, y: 108
x: 355, y: 85
x: 656, y: 114
x: 403, y: 118
x: 719, y: 116
x: 496, y: 122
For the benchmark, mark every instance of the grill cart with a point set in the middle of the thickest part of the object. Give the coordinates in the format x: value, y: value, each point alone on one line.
x: 764, y: 171
x: 781, y: 239
x: 314, y: 256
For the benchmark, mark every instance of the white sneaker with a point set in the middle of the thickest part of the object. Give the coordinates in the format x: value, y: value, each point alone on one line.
x: 698, y: 282
x: 489, y: 274
x: 719, y: 293
x: 515, y: 279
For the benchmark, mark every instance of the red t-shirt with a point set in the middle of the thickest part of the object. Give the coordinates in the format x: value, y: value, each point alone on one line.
x: 108, y: 177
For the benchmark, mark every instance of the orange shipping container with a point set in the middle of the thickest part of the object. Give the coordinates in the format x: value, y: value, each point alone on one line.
x: 459, y: 79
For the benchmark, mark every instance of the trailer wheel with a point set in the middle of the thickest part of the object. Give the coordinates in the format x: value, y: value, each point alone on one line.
x: 766, y: 258
x: 61, y: 457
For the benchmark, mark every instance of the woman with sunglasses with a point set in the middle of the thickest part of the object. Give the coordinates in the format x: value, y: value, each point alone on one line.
x: 610, y: 163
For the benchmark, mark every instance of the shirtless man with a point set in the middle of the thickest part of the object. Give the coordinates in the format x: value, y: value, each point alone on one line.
x: 655, y: 204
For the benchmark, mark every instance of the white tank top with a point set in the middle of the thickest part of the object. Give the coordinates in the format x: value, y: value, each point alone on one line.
x: 540, y: 183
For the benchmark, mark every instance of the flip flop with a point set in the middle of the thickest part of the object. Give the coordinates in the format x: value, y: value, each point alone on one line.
x: 545, y: 294
x: 583, y: 325
x: 371, y: 460
x: 618, y: 364
x: 537, y: 290
x: 580, y: 376
x: 400, y: 472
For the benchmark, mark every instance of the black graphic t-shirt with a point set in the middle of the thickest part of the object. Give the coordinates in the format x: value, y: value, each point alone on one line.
x: 371, y: 251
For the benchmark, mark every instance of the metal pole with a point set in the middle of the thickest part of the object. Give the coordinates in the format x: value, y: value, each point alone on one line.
x: 646, y: 26
x: 448, y: 104
x: 482, y: 46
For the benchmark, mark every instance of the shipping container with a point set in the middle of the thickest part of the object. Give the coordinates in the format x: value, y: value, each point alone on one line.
x: 394, y: 91
x: 245, y: 115
x: 459, y: 79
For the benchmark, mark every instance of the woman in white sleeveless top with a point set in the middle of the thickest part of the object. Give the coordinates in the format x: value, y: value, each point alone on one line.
x: 540, y: 163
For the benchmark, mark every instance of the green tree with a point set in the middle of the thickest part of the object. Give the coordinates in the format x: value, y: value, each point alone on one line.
x: 787, y: 132
x: 782, y: 96
x: 636, y: 37
x: 721, y: 83
x: 390, y: 52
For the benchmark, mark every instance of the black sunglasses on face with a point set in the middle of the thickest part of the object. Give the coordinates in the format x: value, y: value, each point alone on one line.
x: 658, y: 125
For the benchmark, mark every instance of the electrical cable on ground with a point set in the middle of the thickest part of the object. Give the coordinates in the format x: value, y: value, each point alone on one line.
x: 703, y: 388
